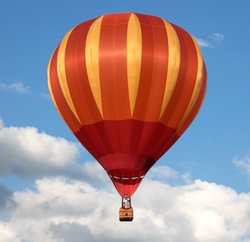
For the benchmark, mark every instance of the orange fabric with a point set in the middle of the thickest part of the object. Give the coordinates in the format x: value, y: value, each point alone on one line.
x: 153, y: 69
x: 76, y: 74
x: 113, y: 67
x: 197, y: 105
x: 185, y: 81
x: 58, y: 97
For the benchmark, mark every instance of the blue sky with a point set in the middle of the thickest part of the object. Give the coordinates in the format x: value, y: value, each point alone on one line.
x: 199, y: 184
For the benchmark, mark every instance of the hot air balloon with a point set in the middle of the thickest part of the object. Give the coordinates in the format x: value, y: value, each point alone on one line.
x: 128, y: 85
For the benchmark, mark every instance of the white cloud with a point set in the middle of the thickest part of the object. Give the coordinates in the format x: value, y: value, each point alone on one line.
x: 7, y: 233
x: 27, y: 153
x: 6, y: 201
x: 204, y: 211
x: 162, y: 173
x: 16, y: 87
x: 20, y: 88
x: 217, y: 37
x: 213, y: 40
x: 203, y: 43
x: 43, y: 95
x: 61, y: 209
x: 243, y: 164
x: 166, y: 174
x: 79, y: 201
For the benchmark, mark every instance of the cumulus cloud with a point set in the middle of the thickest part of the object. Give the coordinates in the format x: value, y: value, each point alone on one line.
x: 166, y: 174
x: 77, y: 202
x: 27, y: 153
x: 6, y: 201
x: 61, y: 209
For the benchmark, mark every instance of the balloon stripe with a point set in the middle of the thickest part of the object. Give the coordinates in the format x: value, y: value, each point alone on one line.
x: 185, y: 82
x: 92, y: 61
x: 134, y: 54
x: 196, y: 107
x: 153, y: 69
x: 76, y: 75
x: 58, y: 97
x: 62, y: 73
x: 198, y: 81
x: 173, y: 64
x: 186, y: 123
x: 113, y: 67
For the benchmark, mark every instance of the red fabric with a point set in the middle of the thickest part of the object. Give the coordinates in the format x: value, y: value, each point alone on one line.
x: 136, y: 153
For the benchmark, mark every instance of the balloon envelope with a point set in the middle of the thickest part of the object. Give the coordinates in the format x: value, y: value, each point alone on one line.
x: 128, y: 85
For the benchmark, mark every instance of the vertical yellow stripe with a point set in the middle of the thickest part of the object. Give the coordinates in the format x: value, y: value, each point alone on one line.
x: 134, y: 54
x: 49, y: 86
x: 92, y: 61
x: 48, y: 75
x: 62, y: 73
x: 197, y: 82
x: 173, y: 64
x: 53, y: 99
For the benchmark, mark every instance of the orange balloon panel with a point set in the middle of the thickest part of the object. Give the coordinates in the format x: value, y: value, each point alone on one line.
x: 128, y: 85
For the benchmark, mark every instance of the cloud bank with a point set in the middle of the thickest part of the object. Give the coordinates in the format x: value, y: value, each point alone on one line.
x: 26, y: 152
x: 29, y: 154
x: 69, y: 201
x: 61, y: 209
